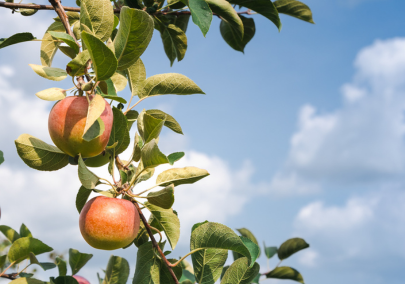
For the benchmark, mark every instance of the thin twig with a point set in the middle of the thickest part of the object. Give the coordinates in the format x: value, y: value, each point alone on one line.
x: 11, y: 276
x: 155, y: 244
x: 59, y: 9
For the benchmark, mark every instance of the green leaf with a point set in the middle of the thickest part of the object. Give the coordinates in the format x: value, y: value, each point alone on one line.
x: 132, y: 116
x: 81, y: 198
x: 240, y: 272
x: 142, y: 236
x: 96, y: 108
x: 290, y: 247
x: 50, y: 73
x: 119, y: 80
x: 119, y: 132
x: 182, y: 22
x: 174, y: 157
x: 68, y: 39
x: 65, y: 280
x: 22, y: 248
x: 77, y: 260
x: 208, y: 264
x: 25, y: 280
x: 62, y: 266
x: 40, y: 155
x: 248, y: 234
x: 201, y: 14
x: 227, y: 13
x: 14, y: 39
x: 174, y: 41
x: 295, y: 9
x: 269, y: 251
x: 72, y: 16
x: 232, y: 38
x: 95, y: 130
x: 136, y: 74
x: 256, y: 279
x: 163, y: 198
x: 103, y: 59
x: 170, y: 122
x: 68, y: 51
x: 253, y: 248
x: 151, y: 127
x: 9, y: 233
x: 263, y: 7
x: 97, y: 17
x: 44, y: 265
x: 285, y: 272
x: 48, y: 45
x: 24, y: 231
x: 169, y: 83
x: 1, y: 157
x: 52, y: 94
x: 168, y: 221
x: 78, y: 66
x: 165, y: 276
x: 115, y: 98
x: 117, y: 270
x: 133, y: 37
x: 151, y: 155
x: 88, y: 179
x: 147, y: 269
x: 218, y: 236
x: 179, y: 176
x: 2, y: 260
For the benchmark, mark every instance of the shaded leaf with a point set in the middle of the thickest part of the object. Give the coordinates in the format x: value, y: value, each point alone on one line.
x: 170, y: 122
x: 269, y: 251
x: 40, y: 155
x: 201, y: 14
x: 62, y: 266
x: 68, y: 39
x: 163, y: 198
x: 290, y: 247
x: 136, y: 74
x: 147, y: 269
x: 240, y: 273
x: 1, y: 157
x: 95, y: 130
x: 65, y: 280
x: 96, y: 108
x: 117, y: 270
x: 48, y: 45
x: 165, y: 276
x: 285, y: 272
x: 174, y: 157
x: 151, y: 127
x: 78, y: 66
x: 97, y: 17
x: 9, y: 233
x: 174, y: 41
x: 81, y: 198
x: 52, y: 94
x: 44, y: 265
x: 119, y: 132
x: 227, y: 13
x: 14, y: 39
x: 132, y: 116
x: 248, y: 234
x: 88, y: 179
x: 2, y: 260
x: 24, y: 231
x: 232, y: 39
x: 295, y: 9
x: 50, y: 73
x: 179, y: 176
x: 77, y: 260
x: 208, y: 264
x: 68, y: 51
x: 151, y: 155
x: 22, y: 248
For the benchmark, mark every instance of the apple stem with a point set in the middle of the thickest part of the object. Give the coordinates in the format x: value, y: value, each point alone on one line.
x: 155, y: 244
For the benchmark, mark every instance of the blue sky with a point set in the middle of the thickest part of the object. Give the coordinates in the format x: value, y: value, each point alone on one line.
x: 302, y: 134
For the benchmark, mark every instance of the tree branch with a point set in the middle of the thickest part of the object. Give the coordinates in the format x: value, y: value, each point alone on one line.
x: 59, y: 9
x: 155, y: 244
x: 11, y: 276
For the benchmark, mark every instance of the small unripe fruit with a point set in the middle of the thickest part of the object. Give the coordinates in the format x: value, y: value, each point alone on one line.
x: 66, y: 123
x: 109, y: 223
x: 81, y: 280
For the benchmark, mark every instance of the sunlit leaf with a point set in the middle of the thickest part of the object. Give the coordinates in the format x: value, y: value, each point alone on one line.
x: 52, y: 94
x: 97, y: 16
x: 50, y: 73
x: 201, y: 14
x: 285, y: 272
x: 295, y: 9
x: 179, y: 176
x: 22, y: 248
x: 88, y: 179
x: 240, y: 273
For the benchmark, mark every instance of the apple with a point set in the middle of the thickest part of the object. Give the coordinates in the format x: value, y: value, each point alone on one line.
x: 109, y: 223
x: 80, y: 279
x: 66, y: 123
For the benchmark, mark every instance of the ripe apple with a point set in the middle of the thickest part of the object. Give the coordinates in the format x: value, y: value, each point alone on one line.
x: 80, y: 279
x: 66, y: 125
x: 109, y: 223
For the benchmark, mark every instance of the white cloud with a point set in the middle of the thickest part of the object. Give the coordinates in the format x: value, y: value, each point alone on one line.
x: 362, y: 140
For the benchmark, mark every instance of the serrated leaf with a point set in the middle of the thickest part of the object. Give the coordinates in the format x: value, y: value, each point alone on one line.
x: 147, y: 269
x: 24, y: 231
x: 285, y: 272
x: 40, y: 155
x: 248, y: 234
x: 25, y: 280
x: 263, y: 7
x: 295, y: 9
x: 174, y: 157
x: 170, y: 83
x: 96, y: 108
x: 133, y: 37
x: 44, y: 265
x: 168, y: 221
x: 97, y: 17
x: 232, y: 38
x: 62, y: 266
x: 136, y: 74
x: 119, y: 132
x: 81, y: 198
x: 170, y: 122
x: 163, y: 198
x: 208, y: 264
x: 48, y: 45
x: 117, y: 270
x: 78, y: 66
x: 9, y: 233
x: 165, y: 276
x: 240, y: 272
x: 119, y: 80
x: 88, y: 179
x: 269, y: 251
x: 227, y: 13
x: 103, y: 59
x: 151, y: 155
x: 14, y: 39
x: 201, y: 14
x: 290, y: 247
x: 50, y: 73
x: 151, y: 127
x: 77, y: 260
x: 22, y: 248
x: 52, y: 94
x: 68, y: 39
x: 179, y: 176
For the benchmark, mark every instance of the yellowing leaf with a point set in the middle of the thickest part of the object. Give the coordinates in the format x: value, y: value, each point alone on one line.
x: 50, y: 73
x: 52, y: 94
x: 96, y: 108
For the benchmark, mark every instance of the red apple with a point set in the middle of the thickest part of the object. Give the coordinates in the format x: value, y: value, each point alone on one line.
x: 66, y: 125
x: 80, y: 279
x: 109, y: 223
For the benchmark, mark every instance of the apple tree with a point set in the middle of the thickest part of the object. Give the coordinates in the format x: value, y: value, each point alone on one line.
x: 90, y: 126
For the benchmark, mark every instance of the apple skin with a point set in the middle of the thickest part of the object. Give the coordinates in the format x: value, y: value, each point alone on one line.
x: 66, y: 123
x: 80, y: 279
x: 109, y: 223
